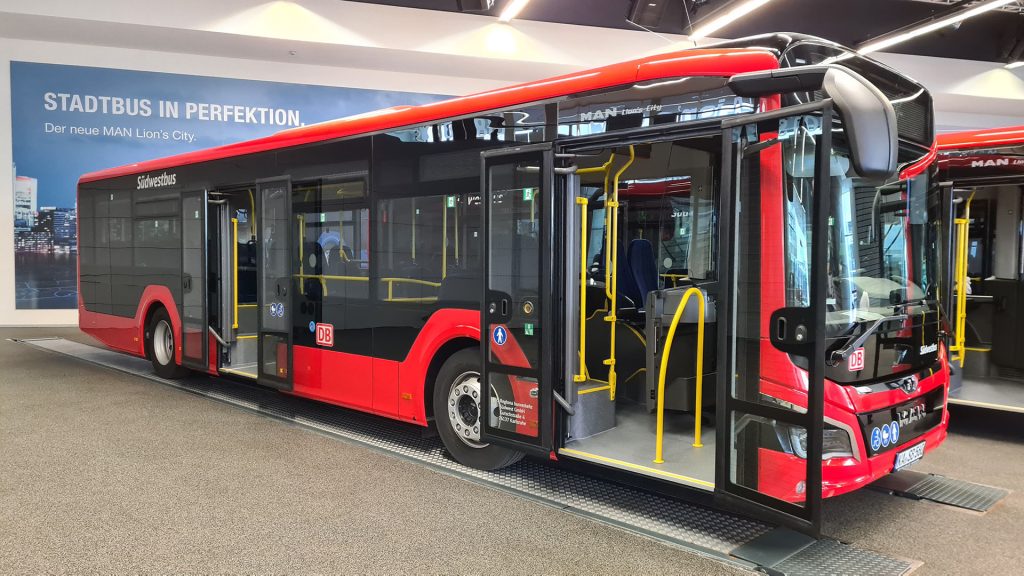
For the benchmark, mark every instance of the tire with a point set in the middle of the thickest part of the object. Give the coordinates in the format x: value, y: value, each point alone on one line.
x: 452, y: 412
x: 160, y: 346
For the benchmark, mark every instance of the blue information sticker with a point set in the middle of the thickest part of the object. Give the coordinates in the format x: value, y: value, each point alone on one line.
x: 885, y: 435
x: 876, y: 439
x: 312, y: 326
x: 894, y: 432
x: 500, y: 335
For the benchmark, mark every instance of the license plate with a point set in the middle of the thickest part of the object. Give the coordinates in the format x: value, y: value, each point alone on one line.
x: 907, y: 457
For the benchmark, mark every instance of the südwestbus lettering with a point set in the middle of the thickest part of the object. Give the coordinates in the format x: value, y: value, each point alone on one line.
x: 164, y: 179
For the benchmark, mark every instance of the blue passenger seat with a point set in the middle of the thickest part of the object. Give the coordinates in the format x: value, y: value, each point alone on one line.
x: 628, y: 291
x: 643, y: 266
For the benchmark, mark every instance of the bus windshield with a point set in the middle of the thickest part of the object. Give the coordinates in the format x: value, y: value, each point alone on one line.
x: 882, y: 254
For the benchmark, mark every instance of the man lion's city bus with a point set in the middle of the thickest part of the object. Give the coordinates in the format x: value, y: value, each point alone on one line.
x: 982, y: 176
x: 713, y: 269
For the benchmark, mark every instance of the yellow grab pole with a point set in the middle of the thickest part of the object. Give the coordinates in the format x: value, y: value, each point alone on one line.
x: 963, y: 224
x: 659, y: 436
x: 581, y: 376
x: 613, y: 234
x: 234, y: 278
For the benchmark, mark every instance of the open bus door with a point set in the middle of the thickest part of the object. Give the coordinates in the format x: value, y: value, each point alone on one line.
x: 518, y: 339
x: 762, y: 317
x: 274, y: 283
x: 194, y: 306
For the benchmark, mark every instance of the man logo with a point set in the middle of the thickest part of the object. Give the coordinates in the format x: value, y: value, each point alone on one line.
x: 987, y: 163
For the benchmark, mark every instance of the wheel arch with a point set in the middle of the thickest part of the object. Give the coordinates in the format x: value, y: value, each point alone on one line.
x: 443, y: 353
x: 155, y: 298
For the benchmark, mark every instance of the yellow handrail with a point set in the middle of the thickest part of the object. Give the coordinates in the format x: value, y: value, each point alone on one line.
x: 234, y: 280
x: 963, y: 228
x: 613, y: 236
x: 323, y: 278
x: 581, y: 376
x: 584, y: 233
x: 666, y: 349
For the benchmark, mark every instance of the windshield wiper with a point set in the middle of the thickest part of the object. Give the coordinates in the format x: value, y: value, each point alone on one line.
x: 844, y: 352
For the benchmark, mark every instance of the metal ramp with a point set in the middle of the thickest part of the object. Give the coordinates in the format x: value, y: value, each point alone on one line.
x: 697, y: 529
x: 941, y: 489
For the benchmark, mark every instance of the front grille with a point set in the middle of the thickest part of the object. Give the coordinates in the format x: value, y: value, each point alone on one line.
x: 913, y: 418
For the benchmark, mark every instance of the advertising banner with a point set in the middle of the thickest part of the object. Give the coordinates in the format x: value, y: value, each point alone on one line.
x: 70, y: 120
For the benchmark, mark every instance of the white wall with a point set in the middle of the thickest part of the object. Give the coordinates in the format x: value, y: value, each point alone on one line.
x: 338, y: 43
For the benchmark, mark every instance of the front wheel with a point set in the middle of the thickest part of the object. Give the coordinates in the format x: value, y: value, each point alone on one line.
x: 458, y: 396
x: 160, y: 346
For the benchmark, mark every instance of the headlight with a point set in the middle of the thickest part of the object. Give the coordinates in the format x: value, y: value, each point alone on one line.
x: 836, y: 442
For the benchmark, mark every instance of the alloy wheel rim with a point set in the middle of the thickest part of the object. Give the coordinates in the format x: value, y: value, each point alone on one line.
x: 464, y: 410
x: 163, y: 343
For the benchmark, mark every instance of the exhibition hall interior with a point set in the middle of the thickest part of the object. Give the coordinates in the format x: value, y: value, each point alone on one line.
x: 512, y: 287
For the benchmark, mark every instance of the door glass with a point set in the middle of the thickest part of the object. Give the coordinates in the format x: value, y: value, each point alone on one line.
x: 772, y: 297
x: 513, y: 307
x: 275, y: 280
x: 193, y: 288
x: 513, y: 270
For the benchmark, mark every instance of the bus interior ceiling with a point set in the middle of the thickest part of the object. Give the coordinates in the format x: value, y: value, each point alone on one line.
x: 233, y: 308
x: 660, y: 247
x: 993, y: 366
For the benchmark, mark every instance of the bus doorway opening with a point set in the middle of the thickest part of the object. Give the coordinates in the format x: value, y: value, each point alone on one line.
x: 647, y: 239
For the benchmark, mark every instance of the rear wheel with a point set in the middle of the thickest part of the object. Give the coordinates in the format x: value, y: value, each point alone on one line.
x: 458, y: 392
x: 160, y: 346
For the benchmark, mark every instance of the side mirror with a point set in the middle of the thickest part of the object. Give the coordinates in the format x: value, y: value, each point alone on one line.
x: 869, y: 119
x: 868, y: 116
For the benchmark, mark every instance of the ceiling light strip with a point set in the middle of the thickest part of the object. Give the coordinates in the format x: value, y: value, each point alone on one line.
x: 730, y: 15
x: 928, y: 27
x: 512, y: 9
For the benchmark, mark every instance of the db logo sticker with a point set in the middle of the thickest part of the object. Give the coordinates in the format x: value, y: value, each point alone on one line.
x: 325, y: 335
x: 857, y: 360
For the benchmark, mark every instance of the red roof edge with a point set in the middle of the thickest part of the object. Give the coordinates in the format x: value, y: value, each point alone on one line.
x: 988, y: 138
x: 693, y: 62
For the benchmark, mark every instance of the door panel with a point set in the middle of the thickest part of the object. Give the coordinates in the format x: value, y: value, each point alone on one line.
x: 275, y: 282
x: 770, y: 390
x: 516, y: 318
x: 194, y: 313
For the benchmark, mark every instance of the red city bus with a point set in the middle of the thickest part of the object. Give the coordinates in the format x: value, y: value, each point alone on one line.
x: 982, y: 172
x: 711, y: 269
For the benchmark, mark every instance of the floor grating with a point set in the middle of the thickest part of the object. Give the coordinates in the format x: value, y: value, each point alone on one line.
x: 695, y: 528
x: 936, y: 488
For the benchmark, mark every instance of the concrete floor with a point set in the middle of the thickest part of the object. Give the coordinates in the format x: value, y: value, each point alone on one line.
x: 104, y: 472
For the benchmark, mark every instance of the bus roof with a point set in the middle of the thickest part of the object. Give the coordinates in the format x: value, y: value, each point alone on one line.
x: 692, y: 62
x: 989, y: 138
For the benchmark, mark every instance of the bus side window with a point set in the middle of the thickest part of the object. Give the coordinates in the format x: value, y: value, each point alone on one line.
x: 333, y: 260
